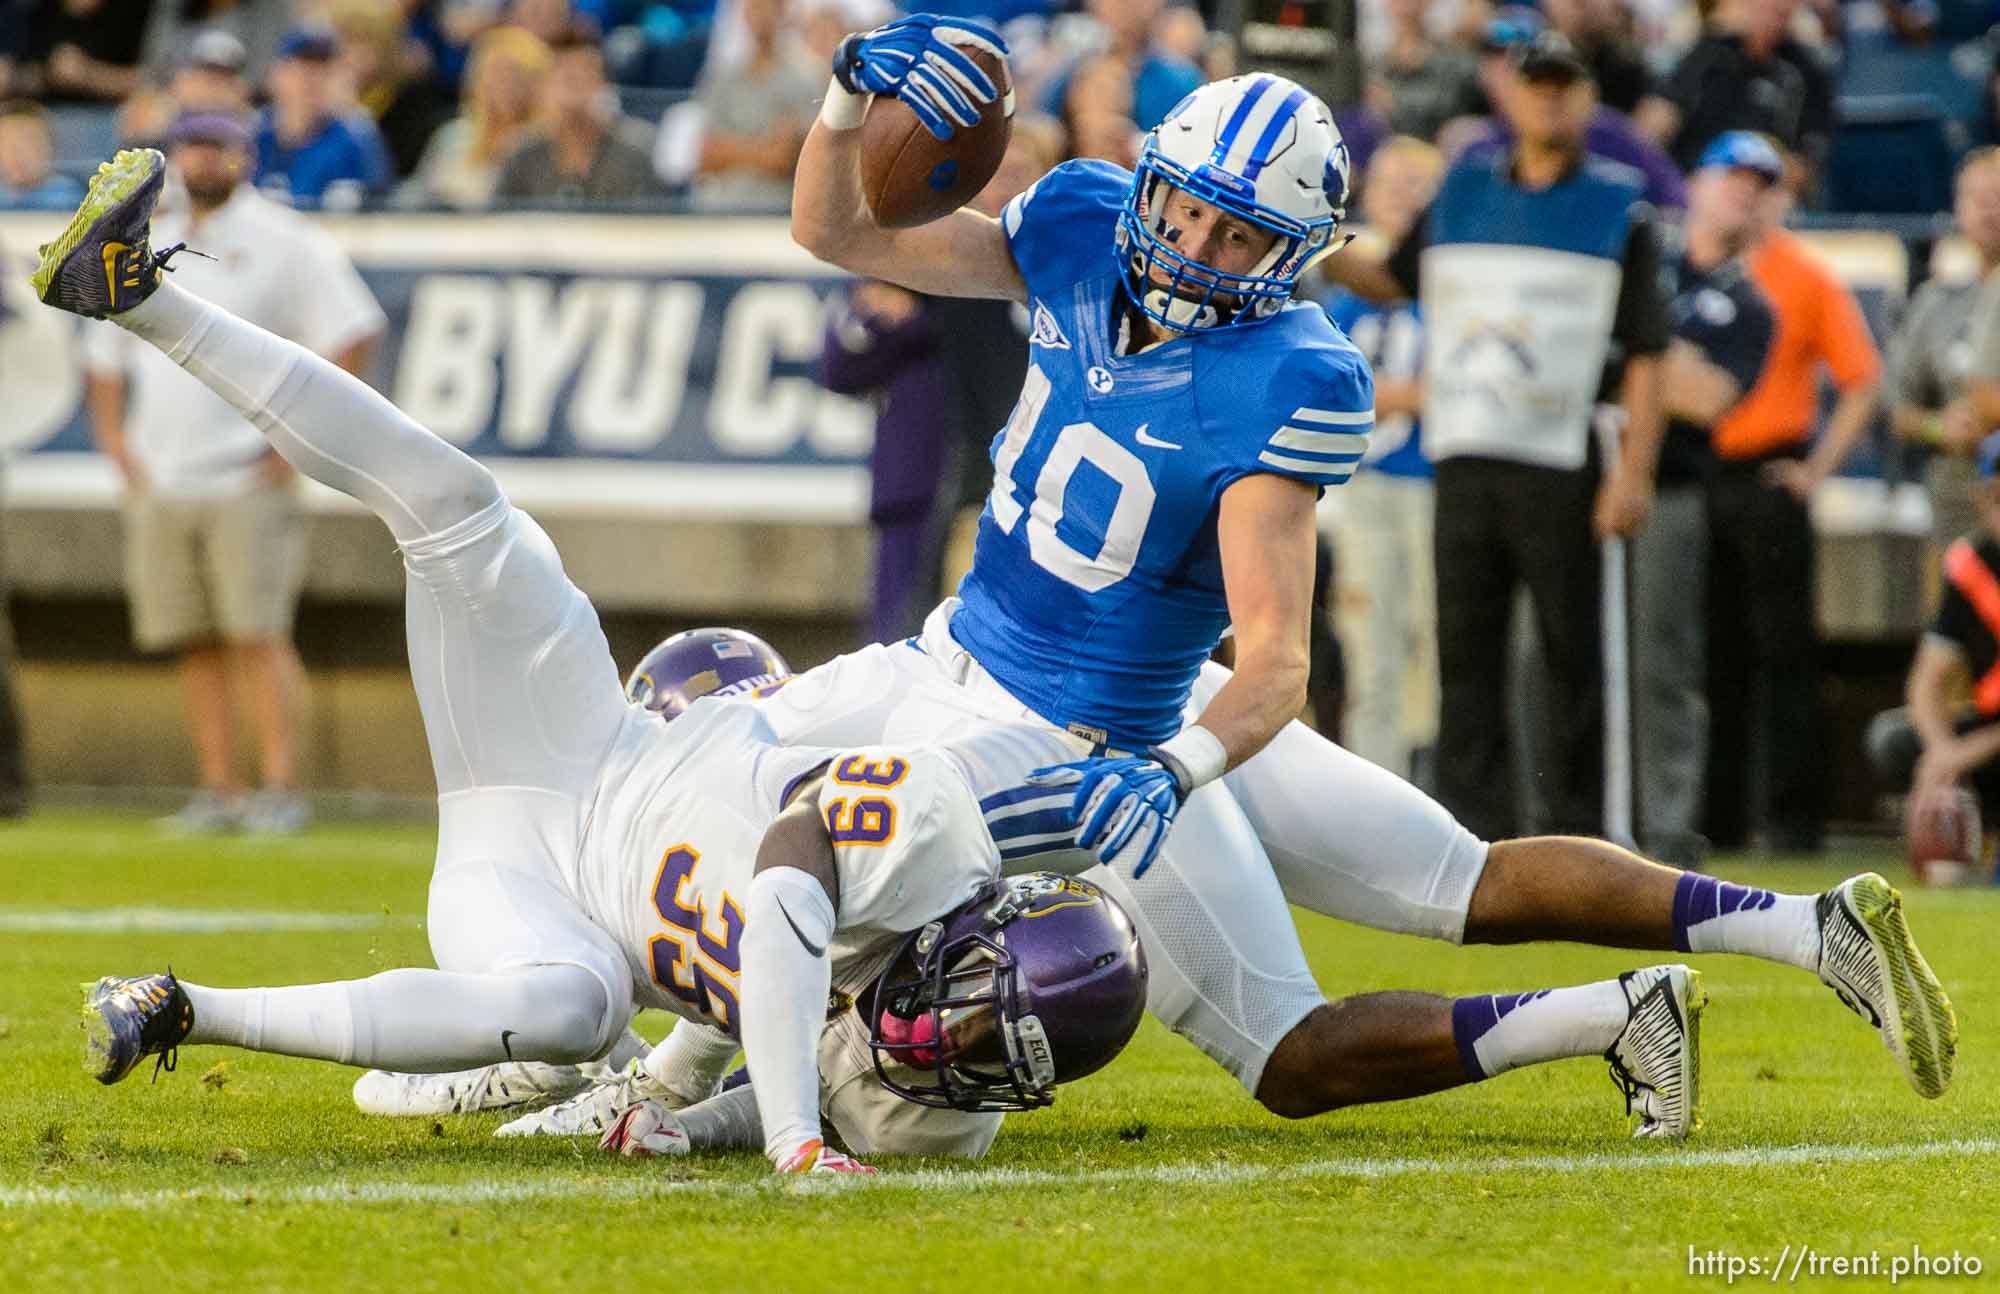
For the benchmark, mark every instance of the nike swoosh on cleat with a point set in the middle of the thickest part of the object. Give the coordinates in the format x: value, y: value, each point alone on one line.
x: 111, y: 254
x: 817, y: 950
x: 506, y: 1046
x: 1154, y: 441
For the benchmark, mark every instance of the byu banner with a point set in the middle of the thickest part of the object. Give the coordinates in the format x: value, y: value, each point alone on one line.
x: 596, y: 362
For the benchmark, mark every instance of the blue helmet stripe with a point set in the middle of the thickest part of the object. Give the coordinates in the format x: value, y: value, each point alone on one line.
x: 1238, y: 118
x: 1272, y: 128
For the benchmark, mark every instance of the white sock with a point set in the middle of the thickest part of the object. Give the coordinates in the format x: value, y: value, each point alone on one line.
x: 725, y: 1121
x: 326, y: 422
x: 1714, y: 916
x: 690, y: 1061
x: 787, y: 925
x: 1506, y: 1031
x: 414, y: 1021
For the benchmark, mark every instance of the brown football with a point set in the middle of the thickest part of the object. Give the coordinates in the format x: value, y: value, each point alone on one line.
x: 1942, y: 830
x: 911, y: 177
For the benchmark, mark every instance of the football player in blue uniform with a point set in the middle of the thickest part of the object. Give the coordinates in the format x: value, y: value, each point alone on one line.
x: 1156, y: 483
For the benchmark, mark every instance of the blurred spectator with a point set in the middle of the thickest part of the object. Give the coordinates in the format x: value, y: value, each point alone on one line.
x: 1745, y: 73
x: 820, y: 23
x: 390, y: 77
x: 93, y: 48
x: 255, y: 25
x: 1421, y: 83
x: 581, y: 150
x: 1159, y: 80
x: 210, y: 76
x: 503, y: 86
x: 1723, y: 328
x: 1385, y: 598
x: 15, y: 29
x: 1097, y: 112
x: 755, y: 118
x: 26, y: 183
x: 1600, y: 31
x: 1763, y: 680
x: 1950, y: 732
x: 1932, y: 355
x: 1610, y: 134
x: 1530, y: 268
x: 884, y: 345
x: 313, y: 146
x: 214, y: 539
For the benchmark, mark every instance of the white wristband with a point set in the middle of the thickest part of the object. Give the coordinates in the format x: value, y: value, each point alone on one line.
x: 1196, y: 753
x: 842, y: 110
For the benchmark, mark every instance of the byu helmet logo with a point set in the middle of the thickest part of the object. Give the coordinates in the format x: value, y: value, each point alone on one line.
x: 1338, y: 169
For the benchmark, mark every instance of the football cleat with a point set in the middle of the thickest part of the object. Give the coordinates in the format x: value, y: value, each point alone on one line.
x: 1869, y: 960
x: 595, y: 1108
x: 126, y: 1020
x: 1656, y: 1061
x: 506, y: 1086
x: 645, y: 1130
x: 817, y: 1157
x: 101, y: 263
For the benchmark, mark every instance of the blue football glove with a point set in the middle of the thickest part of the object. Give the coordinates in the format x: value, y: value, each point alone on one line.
x: 919, y: 59
x: 1121, y: 808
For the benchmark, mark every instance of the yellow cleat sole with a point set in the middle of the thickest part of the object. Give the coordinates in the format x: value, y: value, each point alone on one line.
x: 115, y: 181
x: 1923, y: 1035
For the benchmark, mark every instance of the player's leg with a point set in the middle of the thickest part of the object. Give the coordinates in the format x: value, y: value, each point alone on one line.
x: 1351, y: 841
x: 541, y: 983
x: 1394, y: 1045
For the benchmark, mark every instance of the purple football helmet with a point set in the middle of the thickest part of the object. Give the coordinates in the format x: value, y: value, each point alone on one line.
x: 1038, y: 980
x: 703, y: 662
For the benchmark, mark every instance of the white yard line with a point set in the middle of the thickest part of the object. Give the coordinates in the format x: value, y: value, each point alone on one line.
x: 189, y: 921
x: 974, y: 1181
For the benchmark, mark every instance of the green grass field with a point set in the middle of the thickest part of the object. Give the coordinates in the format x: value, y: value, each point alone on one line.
x: 243, y: 1172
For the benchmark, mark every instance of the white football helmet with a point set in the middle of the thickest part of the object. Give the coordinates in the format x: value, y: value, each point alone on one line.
x: 1263, y: 149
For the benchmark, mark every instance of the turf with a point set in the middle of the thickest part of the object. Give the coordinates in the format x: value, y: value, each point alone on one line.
x: 255, y: 1173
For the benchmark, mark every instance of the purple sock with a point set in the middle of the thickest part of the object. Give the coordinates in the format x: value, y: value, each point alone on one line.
x: 1700, y: 898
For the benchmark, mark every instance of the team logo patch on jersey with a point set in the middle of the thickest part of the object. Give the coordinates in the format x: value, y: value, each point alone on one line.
x: 1099, y: 379
x: 1046, y: 334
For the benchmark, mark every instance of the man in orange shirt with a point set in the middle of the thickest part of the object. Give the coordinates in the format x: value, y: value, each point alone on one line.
x: 1763, y: 673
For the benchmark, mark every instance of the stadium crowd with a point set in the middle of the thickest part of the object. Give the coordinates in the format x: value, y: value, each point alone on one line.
x: 704, y: 104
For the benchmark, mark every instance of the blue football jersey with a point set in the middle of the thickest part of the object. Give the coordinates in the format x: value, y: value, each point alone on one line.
x: 1392, y: 339
x: 1096, y: 586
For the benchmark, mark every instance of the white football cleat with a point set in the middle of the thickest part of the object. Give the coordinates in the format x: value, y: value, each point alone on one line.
x: 817, y: 1157
x: 1656, y: 1061
x: 1868, y: 958
x: 595, y: 1108
x: 506, y: 1086
x: 646, y: 1130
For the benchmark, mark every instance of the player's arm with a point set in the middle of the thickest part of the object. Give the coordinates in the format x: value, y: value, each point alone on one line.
x: 1937, y: 675
x: 963, y: 254
x: 788, y: 921
x: 1266, y: 530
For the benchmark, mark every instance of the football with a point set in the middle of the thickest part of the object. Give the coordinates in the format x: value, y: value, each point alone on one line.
x: 1942, y: 830
x: 910, y: 176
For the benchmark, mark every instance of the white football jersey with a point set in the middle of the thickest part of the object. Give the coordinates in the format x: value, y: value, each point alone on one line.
x: 672, y: 844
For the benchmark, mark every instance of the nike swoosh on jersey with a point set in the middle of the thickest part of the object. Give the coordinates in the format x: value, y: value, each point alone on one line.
x: 817, y: 950
x: 1144, y: 439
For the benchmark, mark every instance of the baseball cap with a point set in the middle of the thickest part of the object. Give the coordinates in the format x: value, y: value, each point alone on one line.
x: 314, y: 44
x: 209, y: 126
x: 218, y: 51
x: 1743, y: 150
x: 1549, y: 56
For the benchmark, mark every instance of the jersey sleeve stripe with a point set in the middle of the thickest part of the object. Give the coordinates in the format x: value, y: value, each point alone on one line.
x: 1321, y: 442
x: 1060, y: 843
x: 1335, y: 417
x: 1012, y: 831
x: 1016, y: 795
x: 1309, y: 467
